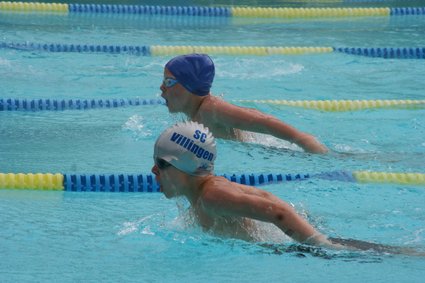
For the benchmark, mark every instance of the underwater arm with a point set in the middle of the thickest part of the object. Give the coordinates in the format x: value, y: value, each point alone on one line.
x: 351, y: 244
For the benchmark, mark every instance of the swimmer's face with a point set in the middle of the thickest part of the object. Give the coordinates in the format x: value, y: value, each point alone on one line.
x: 165, y: 175
x: 175, y: 95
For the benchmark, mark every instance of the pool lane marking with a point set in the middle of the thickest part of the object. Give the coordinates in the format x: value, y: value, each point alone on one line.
x: 342, y: 105
x: 147, y: 182
x: 257, y: 12
x: 164, y: 50
x: 15, y: 104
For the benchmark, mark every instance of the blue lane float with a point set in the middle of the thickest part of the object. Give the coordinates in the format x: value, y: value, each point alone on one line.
x: 130, y: 183
x: 10, y: 104
x: 146, y: 183
x: 151, y: 10
x: 385, y: 52
x: 78, y: 48
x: 406, y: 11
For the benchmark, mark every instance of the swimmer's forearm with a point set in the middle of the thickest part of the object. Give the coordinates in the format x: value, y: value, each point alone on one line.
x: 292, y: 224
x: 255, y: 121
x: 310, y: 144
x: 318, y: 239
x: 277, y: 128
x: 299, y: 229
x: 321, y: 240
x: 306, y: 141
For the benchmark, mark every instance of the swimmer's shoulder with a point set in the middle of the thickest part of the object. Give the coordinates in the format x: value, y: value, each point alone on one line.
x: 221, y: 185
x: 213, y: 181
x: 213, y: 103
x: 216, y: 186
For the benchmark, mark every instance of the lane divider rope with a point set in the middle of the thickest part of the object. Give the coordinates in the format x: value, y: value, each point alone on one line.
x: 147, y: 182
x: 343, y: 105
x: 165, y: 50
x: 11, y: 104
x: 257, y: 12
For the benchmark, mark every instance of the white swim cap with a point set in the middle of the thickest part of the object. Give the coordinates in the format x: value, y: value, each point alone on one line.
x: 188, y: 146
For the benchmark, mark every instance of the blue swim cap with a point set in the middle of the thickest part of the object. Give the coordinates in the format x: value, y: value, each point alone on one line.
x: 194, y: 71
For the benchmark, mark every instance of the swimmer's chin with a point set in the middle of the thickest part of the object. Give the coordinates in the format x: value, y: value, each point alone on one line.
x: 167, y: 104
x: 166, y: 100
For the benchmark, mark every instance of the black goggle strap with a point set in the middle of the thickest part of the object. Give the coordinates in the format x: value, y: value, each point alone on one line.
x: 161, y: 163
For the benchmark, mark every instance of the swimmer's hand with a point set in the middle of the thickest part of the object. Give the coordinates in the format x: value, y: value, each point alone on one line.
x: 310, y: 144
x: 321, y: 240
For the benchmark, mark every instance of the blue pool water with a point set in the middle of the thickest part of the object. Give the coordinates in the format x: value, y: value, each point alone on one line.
x: 114, y: 237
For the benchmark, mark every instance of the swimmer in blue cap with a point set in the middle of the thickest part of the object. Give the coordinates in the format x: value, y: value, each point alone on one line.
x: 186, y: 88
x: 184, y: 156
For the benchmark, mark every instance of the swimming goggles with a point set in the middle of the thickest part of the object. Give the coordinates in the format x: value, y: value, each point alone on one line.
x: 169, y: 82
x: 161, y: 163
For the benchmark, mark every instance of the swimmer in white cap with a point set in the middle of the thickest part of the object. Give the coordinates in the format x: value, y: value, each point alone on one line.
x: 186, y: 88
x: 184, y: 157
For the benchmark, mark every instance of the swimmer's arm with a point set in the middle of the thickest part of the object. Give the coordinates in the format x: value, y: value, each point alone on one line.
x: 227, y: 202
x: 255, y: 121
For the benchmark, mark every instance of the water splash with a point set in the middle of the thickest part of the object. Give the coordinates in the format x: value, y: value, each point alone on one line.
x: 248, y: 69
x: 418, y: 234
x: 135, y: 125
x: 5, y: 63
x: 269, y: 141
x: 134, y: 226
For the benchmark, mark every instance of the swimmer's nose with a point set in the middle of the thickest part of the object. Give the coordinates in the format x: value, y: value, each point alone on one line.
x: 155, y: 170
x: 162, y: 87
